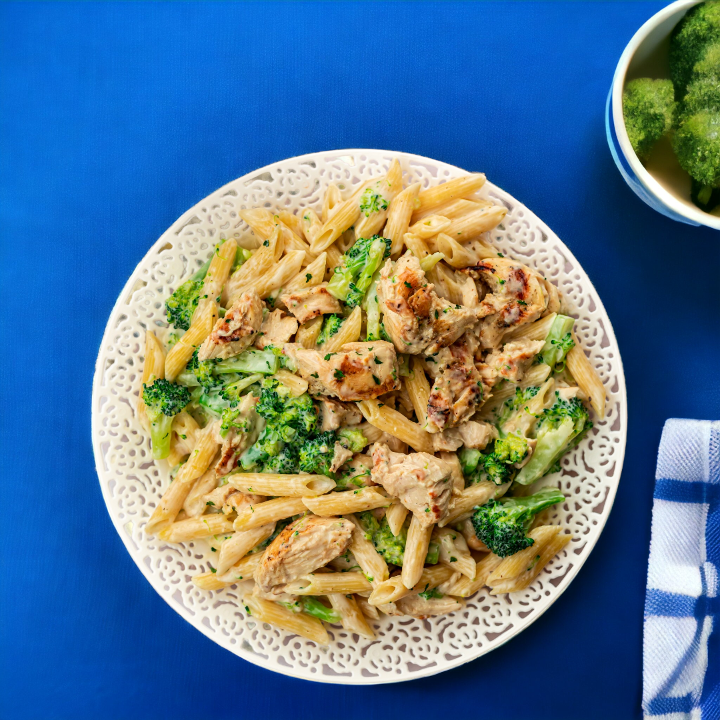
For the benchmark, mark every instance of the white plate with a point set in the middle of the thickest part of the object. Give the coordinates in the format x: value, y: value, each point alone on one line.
x: 132, y: 483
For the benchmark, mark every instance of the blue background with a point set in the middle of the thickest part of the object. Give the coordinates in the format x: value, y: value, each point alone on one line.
x: 116, y: 118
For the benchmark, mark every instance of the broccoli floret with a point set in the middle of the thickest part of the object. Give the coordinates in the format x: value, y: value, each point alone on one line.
x: 180, y: 306
x: 648, y: 108
x: 352, y: 439
x: 702, y: 94
x: 354, y: 274
x: 497, y: 464
x: 469, y: 459
x: 430, y: 594
x: 699, y: 28
x: 163, y: 400
x: 709, y: 60
x: 391, y: 547
x: 516, y: 404
x: 331, y: 324
x: 558, y: 342
x: 697, y: 146
x: 372, y: 202
x: 510, y: 449
x: 502, y: 524
x: 559, y: 428
x: 285, y: 462
x: 316, y: 455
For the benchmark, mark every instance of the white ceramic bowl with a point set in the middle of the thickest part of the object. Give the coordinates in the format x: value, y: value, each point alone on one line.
x: 663, y: 184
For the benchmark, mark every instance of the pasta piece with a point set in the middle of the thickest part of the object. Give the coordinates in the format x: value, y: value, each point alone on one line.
x: 349, y: 332
x: 471, y: 497
x: 454, y: 552
x: 278, y: 275
x: 397, y: 425
x: 343, y: 503
x: 292, y: 382
x: 395, y: 516
x: 184, y: 429
x: 261, y: 261
x: 331, y: 202
x: 327, y: 583
x: 476, y: 222
x: 516, y: 572
x: 153, y: 367
x: 194, y: 528
x: 368, y: 610
x: 311, y: 224
x: 586, y: 377
x: 182, y: 350
x: 334, y: 257
x: 430, y: 226
x: 201, y: 456
x: 268, y: 511
x: 453, y: 208
x: 277, y: 485
x: 297, y: 623
x: 437, y: 195
x: 416, y: 245
x: 343, y: 218
x: 240, y: 544
x: 457, y: 255
x: 308, y: 332
x: 242, y: 570
x: 447, y: 284
x: 416, y: 549
x: 398, y: 217
x: 462, y: 586
x: 537, y: 330
x: 351, y: 616
x: 393, y: 589
x: 265, y: 223
x: 194, y: 505
x: 168, y: 508
x: 418, y: 389
x: 294, y: 223
x: 217, y: 274
x: 368, y: 558
x: 310, y: 276
x: 208, y: 581
x: 373, y: 218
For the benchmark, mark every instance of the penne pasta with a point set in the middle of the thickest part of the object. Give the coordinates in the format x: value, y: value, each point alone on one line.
x: 437, y: 195
x: 294, y: 223
x: 418, y: 389
x: 184, y: 430
x: 258, y: 265
x: 430, y: 226
x: 276, y: 277
x: 471, y: 497
x: 194, y: 528
x: 327, y: 583
x: 395, y: 516
x: 586, y: 377
x: 367, y: 557
x: 182, y: 350
x: 194, y: 505
x: 457, y: 255
x: 331, y: 202
x: 416, y: 245
x: 462, y: 586
x: 310, y: 276
x: 308, y: 332
x: 352, y: 617
x: 397, y: 425
x: 343, y: 503
x: 368, y: 610
x: 537, y: 330
x: 416, y: 549
x: 454, y: 552
x: 375, y: 202
x: 264, y: 223
x: 153, y: 367
x: 393, y: 589
x: 453, y: 208
x: 311, y: 224
x: 277, y: 485
x: 292, y: 382
x: 296, y: 623
x: 240, y: 544
x: 168, y: 508
x: 398, y: 218
x: 467, y: 227
x: 201, y: 456
x: 217, y: 274
x: 349, y: 332
x: 268, y: 512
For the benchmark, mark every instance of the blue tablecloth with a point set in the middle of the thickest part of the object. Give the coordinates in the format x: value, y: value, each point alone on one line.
x: 114, y: 119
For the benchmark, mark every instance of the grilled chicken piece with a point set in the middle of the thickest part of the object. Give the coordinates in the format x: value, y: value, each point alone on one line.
x: 359, y: 371
x: 513, y: 360
x: 305, y: 545
x: 311, y: 302
x: 236, y: 331
x: 422, y: 482
x: 276, y: 329
x: 418, y: 607
x: 237, y: 441
x: 340, y: 456
x: 228, y: 499
x: 356, y: 473
x: 335, y: 414
x: 457, y: 390
x: 415, y: 317
x: 477, y: 434
x: 517, y: 296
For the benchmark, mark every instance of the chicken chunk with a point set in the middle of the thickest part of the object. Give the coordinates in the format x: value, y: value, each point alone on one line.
x: 415, y: 317
x: 477, y: 434
x: 511, y: 362
x: 422, y: 482
x: 303, y: 546
x: 236, y: 331
x: 335, y: 414
x: 418, y: 607
x: 276, y: 329
x: 458, y: 389
x: 311, y: 302
x: 359, y: 371
x: 517, y: 296
x: 236, y: 439
x: 228, y: 499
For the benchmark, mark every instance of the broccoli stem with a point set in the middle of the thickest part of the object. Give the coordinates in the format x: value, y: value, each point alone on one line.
x: 240, y: 385
x: 365, y: 278
x: 549, y: 448
x: 160, y: 434
x: 429, y: 262
x: 339, y: 284
x: 433, y: 554
x: 312, y: 606
x: 250, y: 361
x: 555, y: 349
x: 371, y: 305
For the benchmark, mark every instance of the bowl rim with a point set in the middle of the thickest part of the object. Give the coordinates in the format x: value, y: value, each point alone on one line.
x: 648, y: 181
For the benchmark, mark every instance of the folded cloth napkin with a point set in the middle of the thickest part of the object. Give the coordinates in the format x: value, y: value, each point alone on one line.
x: 681, y: 648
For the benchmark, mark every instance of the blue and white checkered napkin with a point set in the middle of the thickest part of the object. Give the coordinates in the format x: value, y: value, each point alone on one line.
x: 681, y: 653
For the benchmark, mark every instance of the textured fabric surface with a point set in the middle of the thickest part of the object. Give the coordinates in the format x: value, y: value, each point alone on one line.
x: 116, y: 118
x: 681, y: 652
